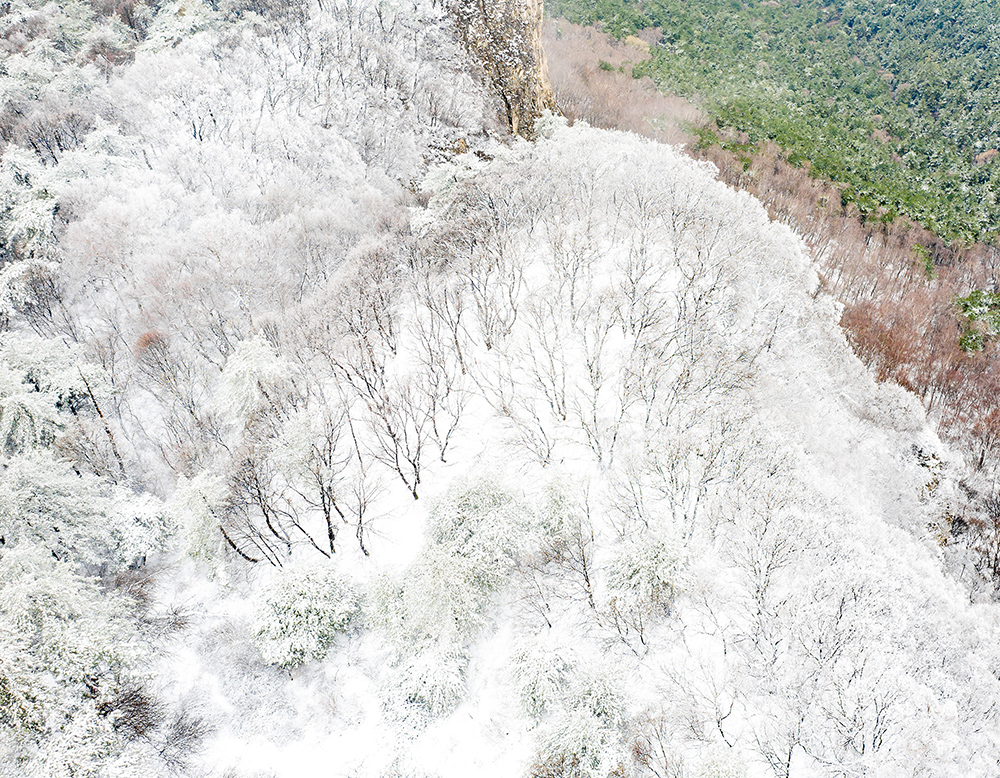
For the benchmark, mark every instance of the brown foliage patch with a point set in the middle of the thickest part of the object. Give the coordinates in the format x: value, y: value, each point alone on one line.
x: 609, y: 96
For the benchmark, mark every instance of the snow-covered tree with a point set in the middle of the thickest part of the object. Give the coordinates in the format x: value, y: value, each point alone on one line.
x: 301, y: 612
x: 72, y: 658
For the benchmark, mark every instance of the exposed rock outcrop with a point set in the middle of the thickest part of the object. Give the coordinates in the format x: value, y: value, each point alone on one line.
x: 987, y: 156
x: 505, y: 37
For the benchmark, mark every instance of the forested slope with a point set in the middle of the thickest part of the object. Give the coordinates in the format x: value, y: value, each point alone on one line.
x: 896, y: 101
x: 345, y: 433
x: 920, y: 308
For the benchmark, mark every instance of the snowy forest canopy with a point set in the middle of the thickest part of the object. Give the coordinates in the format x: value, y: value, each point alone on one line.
x: 345, y: 434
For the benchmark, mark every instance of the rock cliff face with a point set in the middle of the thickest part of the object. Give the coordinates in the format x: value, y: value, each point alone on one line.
x: 505, y: 37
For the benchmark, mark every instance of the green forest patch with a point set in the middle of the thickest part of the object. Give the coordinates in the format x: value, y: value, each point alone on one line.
x: 898, y: 103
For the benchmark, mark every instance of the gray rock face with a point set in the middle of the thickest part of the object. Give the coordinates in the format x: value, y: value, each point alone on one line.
x: 505, y: 37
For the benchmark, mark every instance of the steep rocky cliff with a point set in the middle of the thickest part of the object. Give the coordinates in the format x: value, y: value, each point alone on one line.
x: 505, y: 37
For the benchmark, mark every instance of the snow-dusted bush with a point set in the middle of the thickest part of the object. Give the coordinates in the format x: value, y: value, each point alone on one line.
x: 643, y: 575
x: 430, y: 680
x: 429, y: 616
x: 578, y: 706
x: 559, y: 570
x: 300, y: 613
x: 77, y: 516
x: 28, y: 417
x: 582, y: 732
x: 440, y: 604
x: 253, y: 381
x: 719, y: 761
x: 475, y: 534
x: 45, y: 388
x: 540, y: 676
x: 443, y: 597
x: 28, y: 210
x: 68, y: 653
x: 482, y: 524
x: 51, y: 397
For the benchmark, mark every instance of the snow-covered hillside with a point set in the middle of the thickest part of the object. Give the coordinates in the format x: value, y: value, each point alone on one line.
x: 344, y: 436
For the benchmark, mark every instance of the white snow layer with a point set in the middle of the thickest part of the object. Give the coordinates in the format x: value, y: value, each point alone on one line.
x: 677, y: 530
